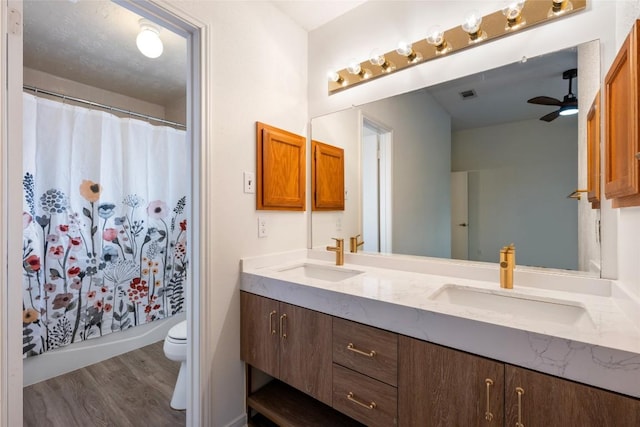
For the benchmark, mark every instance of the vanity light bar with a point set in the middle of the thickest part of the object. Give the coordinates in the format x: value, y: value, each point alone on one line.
x: 495, y: 25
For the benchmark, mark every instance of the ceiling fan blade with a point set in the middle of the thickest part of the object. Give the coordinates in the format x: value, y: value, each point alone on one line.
x: 551, y: 116
x: 545, y: 100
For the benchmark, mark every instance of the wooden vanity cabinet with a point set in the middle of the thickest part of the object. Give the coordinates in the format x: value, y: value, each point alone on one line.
x: 622, y: 136
x: 290, y: 343
x: 439, y: 386
x: 365, y: 373
x: 553, y: 402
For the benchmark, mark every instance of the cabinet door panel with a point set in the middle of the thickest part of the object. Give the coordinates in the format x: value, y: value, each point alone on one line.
x: 438, y: 386
x: 554, y: 402
x: 259, y: 338
x: 305, y: 351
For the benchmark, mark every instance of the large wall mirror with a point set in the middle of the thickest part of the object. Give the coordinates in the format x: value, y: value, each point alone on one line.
x: 460, y: 169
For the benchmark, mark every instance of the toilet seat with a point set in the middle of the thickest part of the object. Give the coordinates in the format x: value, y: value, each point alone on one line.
x: 178, y: 332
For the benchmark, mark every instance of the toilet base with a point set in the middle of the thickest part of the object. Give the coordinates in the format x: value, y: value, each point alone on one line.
x: 179, y: 398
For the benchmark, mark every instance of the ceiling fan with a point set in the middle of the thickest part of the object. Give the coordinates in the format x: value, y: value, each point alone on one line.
x: 568, y: 106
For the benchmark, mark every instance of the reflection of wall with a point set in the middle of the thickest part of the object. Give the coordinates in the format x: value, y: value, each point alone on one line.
x: 519, y: 176
x: 421, y: 157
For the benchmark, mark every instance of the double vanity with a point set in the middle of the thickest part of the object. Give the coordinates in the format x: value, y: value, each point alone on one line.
x: 412, y: 341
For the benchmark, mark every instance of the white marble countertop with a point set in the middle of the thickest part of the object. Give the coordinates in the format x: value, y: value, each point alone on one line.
x: 598, y: 343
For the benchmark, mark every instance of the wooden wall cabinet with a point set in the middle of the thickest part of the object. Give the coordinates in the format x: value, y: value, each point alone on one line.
x: 622, y: 146
x: 280, y: 169
x: 593, y: 153
x: 327, y: 177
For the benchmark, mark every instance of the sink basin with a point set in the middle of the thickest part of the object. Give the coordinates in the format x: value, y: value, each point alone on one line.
x: 322, y: 272
x: 509, y: 303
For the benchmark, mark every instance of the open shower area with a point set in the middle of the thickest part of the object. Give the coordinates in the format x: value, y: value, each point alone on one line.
x: 106, y: 200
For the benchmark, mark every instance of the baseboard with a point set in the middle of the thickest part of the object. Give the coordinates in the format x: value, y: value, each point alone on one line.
x: 241, y: 421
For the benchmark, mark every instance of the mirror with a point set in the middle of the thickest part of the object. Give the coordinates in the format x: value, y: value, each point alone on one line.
x: 460, y: 169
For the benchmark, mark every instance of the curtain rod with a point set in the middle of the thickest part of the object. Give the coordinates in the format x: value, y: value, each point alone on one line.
x: 96, y: 104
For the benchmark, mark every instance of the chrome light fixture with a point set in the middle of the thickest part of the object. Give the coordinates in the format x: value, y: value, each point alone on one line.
x: 148, y: 40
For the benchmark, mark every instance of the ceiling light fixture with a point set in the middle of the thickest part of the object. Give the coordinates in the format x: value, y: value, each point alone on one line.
x: 148, y: 40
x: 406, y: 49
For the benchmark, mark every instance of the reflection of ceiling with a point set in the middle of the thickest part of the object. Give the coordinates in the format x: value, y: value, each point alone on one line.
x: 94, y: 42
x: 502, y: 93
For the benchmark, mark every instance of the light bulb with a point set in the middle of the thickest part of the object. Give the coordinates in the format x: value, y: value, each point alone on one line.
x: 435, y: 37
x: 354, y: 67
x: 406, y: 49
x: 376, y: 57
x: 472, y: 21
x: 512, y: 11
x: 148, y: 40
x: 334, y: 76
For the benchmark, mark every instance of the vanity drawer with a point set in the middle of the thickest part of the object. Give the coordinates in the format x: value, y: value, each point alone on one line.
x: 366, y: 349
x: 369, y: 401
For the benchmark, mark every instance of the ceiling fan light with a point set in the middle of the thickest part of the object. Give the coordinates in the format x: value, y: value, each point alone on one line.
x: 568, y: 111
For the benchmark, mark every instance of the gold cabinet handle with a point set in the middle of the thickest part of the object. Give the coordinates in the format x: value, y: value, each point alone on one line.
x: 351, y: 397
x: 272, y: 328
x: 520, y: 392
x: 351, y: 347
x: 488, y: 415
x: 283, y: 332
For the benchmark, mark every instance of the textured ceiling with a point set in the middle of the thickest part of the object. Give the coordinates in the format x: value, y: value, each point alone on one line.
x: 94, y: 42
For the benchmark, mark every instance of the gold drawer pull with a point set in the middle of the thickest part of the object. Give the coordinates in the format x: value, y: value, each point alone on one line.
x: 350, y: 347
x: 283, y: 331
x: 488, y: 415
x: 520, y: 392
x: 272, y: 329
x: 352, y: 398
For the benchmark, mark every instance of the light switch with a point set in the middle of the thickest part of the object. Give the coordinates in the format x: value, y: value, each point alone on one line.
x: 249, y: 182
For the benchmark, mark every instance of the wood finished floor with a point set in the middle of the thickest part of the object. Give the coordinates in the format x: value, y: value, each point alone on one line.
x: 130, y: 390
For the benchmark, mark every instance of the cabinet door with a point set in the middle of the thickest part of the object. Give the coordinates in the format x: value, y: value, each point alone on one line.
x: 305, y: 351
x: 259, y: 337
x: 593, y: 153
x: 438, y: 386
x: 327, y: 177
x: 621, y: 126
x: 554, y: 402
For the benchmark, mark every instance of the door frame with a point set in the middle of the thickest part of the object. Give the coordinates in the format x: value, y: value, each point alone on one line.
x: 198, y: 132
x: 385, y: 190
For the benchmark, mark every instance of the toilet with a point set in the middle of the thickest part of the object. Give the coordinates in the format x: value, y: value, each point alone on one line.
x: 175, y: 348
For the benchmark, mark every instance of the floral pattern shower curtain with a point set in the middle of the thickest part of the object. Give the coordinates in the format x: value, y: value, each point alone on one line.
x: 104, y: 221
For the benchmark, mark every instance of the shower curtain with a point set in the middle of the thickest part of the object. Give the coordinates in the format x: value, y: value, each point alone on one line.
x: 104, y: 223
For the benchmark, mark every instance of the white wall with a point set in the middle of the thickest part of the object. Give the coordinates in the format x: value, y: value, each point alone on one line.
x: 258, y: 60
x: 520, y: 174
x: 421, y: 157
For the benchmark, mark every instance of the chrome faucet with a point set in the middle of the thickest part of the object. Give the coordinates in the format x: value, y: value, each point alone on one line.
x: 353, y: 244
x: 338, y: 249
x: 507, y: 264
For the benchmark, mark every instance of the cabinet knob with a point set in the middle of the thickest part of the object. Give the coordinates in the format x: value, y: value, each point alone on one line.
x: 638, y: 155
